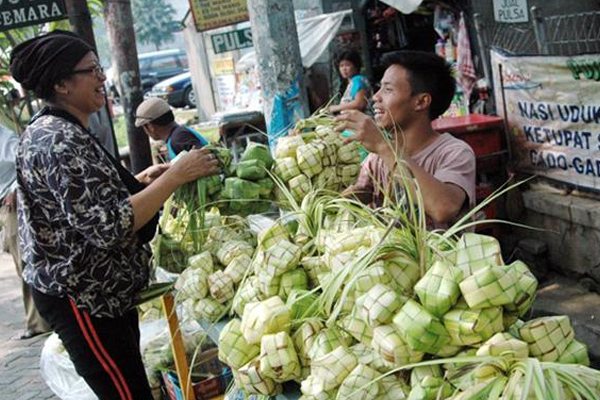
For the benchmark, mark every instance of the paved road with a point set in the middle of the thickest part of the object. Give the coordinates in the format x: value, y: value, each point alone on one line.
x: 19, y: 359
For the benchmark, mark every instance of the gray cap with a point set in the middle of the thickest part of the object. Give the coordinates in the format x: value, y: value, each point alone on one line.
x: 149, y: 110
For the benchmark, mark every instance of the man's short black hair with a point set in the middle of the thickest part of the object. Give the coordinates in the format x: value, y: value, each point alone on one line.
x: 164, y: 119
x: 352, y: 56
x: 427, y: 73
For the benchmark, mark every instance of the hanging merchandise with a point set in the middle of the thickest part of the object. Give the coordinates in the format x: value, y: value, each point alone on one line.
x: 465, y: 70
x: 443, y: 21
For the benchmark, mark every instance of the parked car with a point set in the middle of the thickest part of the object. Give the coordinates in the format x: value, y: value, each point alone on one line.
x: 177, y: 91
x: 154, y: 67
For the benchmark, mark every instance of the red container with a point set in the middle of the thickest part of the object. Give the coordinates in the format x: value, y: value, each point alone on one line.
x: 484, y: 133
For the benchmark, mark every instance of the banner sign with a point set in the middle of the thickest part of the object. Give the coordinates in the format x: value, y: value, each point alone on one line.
x: 19, y: 13
x: 212, y: 14
x: 229, y: 41
x: 553, y: 114
x: 511, y: 11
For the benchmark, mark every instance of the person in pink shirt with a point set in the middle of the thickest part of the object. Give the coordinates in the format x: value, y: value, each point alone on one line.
x: 416, y: 88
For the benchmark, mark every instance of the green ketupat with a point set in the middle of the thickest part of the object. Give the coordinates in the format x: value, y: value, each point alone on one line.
x: 256, y: 151
x: 348, y: 153
x: 251, y: 169
x: 292, y: 280
x: 489, y: 287
x: 232, y: 249
x: 221, y: 286
x: 388, y: 342
x: 474, y: 251
x: 331, y: 369
x: 286, y: 168
x: 438, y: 290
x: 272, y: 235
x: 504, y: 344
x: 421, y: 329
x: 238, y: 189
x: 548, y: 337
x: 300, y: 186
x: 234, y: 350
x: 209, y: 309
x: 237, y: 268
x: 469, y: 327
x: 254, y: 382
x: 282, y: 257
x: 526, y: 288
x: 309, y: 158
x: 378, y: 305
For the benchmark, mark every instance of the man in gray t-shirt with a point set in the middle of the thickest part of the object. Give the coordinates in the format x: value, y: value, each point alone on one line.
x: 416, y: 88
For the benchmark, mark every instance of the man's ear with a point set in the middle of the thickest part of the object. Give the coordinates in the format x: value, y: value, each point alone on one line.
x: 423, y: 101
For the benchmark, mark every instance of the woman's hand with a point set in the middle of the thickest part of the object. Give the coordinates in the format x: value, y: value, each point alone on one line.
x: 150, y: 174
x: 196, y: 164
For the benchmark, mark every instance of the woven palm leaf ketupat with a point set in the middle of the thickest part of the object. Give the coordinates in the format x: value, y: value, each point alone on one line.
x: 278, y: 358
x: 327, y: 340
x: 237, y: 268
x: 286, y: 146
x: 489, y: 287
x: 359, y: 384
x: 248, y: 292
x: 575, y: 353
x: 287, y: 168
x: 292, y: 280
x: 348, y: 153
x: 234, y: 350
x: 300, y: 186
x: 474, y: 251
x: 201, y: 261
x: 438, y: 290
x: 309, y: 157
x: 357, y: 327
x: 378, y: 305
x: 331, y: 369
x: 548, y: 337
x: 192, y: 284
x: 254, y: 382
x: 526, y: 288
x: 312, y: 389
x: 232, y: 249
x: 209, y: 309
x: 388, y: 342
x: 221, y: 286
x: 469, y: 327
x: 503, y: 344
x: 264, y: 317
x: 273, y: 235
x: 282, y: 257
x: 421, y: 329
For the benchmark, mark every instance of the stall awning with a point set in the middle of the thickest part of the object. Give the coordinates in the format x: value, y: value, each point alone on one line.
x: 314, y: 36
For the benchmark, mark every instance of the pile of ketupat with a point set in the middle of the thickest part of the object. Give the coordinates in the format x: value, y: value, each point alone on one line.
x: 314, y: 157
x: 452, y: 333
x: 367, y: 304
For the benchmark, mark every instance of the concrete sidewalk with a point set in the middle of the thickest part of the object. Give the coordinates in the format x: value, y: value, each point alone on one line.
x: 19, y: 359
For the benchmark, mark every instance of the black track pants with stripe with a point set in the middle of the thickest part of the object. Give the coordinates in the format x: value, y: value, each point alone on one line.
x: 105, y: 351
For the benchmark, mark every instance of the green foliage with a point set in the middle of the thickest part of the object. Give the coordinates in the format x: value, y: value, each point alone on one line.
x: 153, y: 21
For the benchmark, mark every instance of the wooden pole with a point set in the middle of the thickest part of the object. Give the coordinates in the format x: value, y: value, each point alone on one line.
x: 181, y: 365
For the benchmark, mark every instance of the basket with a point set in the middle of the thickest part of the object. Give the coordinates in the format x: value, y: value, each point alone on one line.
x: 203, y: 389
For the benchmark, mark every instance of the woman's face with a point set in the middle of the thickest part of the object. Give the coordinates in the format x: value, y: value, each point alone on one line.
x: 347, y: 69
x: 85, y: 87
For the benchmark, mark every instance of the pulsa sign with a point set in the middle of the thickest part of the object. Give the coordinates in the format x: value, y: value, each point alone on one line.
x: 234, y: 40
x: 19, y: 13
x: 553, y: 114
x: 510, y: 11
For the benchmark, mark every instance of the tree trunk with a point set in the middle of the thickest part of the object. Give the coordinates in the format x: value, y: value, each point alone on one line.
x: 119, y: 23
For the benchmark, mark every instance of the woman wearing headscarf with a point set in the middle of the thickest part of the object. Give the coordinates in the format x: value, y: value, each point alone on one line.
x: 84, y: 220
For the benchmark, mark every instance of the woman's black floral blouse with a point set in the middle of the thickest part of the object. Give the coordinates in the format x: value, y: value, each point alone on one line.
x: 76, y: 220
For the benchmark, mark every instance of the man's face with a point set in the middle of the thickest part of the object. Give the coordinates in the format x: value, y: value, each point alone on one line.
x: 150, y: 131
x: 394, y: 103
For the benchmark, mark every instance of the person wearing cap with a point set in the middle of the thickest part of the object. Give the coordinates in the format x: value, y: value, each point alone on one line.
x: 156, y: 118
x: 84, y: 220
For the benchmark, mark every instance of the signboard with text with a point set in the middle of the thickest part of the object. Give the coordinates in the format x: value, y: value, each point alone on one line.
x: 212, y: 14
x: 234, y: 40
x: 553, y: 114
x: 20, y: 13
x: 511, y: 11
